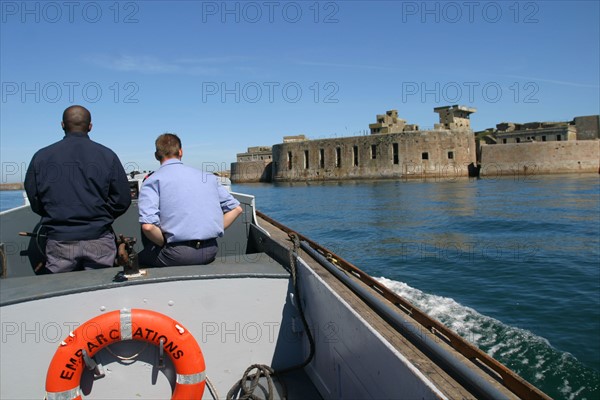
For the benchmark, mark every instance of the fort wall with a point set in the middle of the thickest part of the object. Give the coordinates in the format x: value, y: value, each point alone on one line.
x: 588, y: 127
x: 540, y: 157
x: 396, y: 149
x: 251, y: 171
x: 409, y: 154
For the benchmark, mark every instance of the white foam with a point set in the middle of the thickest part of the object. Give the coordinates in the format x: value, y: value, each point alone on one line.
x: 522, y: 349
x: 496, y: 338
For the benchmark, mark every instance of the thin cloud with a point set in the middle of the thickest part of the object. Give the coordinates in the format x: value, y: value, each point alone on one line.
x: 556, y: 82
x: 200, y: 66
x: 153, y: 65
x: 212, y: 60
x: 346, y: 65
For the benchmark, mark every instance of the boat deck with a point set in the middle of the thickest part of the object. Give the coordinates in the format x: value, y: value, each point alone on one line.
x: 258, y: 273
x: 23, y: 289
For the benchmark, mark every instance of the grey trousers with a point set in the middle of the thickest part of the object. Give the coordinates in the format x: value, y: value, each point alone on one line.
x: 73, y: 255
x: 178, y: 254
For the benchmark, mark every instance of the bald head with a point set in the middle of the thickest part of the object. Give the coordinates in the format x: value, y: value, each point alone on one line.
x: 77, y: 119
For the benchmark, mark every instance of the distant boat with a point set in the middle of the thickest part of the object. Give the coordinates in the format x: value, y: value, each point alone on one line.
x: 312, y: 323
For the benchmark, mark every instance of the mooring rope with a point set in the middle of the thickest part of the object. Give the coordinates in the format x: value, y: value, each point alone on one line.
x: 247, y: 392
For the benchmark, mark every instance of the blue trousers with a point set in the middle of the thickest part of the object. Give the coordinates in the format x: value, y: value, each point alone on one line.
x: 178, y: 254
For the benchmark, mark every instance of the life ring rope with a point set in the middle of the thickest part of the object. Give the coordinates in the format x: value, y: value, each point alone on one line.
x: 67, y: 365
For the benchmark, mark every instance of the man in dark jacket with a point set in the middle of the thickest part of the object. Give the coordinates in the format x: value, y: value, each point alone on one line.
x: 79, y: 187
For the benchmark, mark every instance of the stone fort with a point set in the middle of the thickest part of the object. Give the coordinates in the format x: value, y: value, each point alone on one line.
x: 540, y: 147
x: 397, y: 149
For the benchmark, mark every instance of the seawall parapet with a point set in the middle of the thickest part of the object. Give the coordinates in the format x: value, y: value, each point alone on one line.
x: 541, y: 158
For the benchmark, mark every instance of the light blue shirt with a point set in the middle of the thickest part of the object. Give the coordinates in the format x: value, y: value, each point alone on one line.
x: 185, y: 203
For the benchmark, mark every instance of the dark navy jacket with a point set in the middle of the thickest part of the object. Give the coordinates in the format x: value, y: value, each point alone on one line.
x: 78, y: 187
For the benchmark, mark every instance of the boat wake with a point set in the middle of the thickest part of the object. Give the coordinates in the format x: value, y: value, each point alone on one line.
x: 557, y: 373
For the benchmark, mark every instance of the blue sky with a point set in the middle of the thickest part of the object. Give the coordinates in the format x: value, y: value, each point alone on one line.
x: 229, y: 75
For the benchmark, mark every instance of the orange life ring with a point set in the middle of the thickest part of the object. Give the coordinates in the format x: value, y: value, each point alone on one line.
x: 64, y: 373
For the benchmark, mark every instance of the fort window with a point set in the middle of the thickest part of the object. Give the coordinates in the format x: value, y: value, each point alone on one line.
x: 504, y: 141
x: 396, y: 159
x: 450, y: 155
x: 306, y: 163
x: 518, y: 140
x: 425, y: 156
x: 373, y: 151
x: 543, y: 138
x: 355, y: 155
x: 289, y: 160
x: 558, y: 138
x: 322, y: 158
x: 338, y: 157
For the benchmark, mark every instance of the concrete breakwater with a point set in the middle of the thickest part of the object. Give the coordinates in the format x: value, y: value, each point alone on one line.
x: 11, y: 186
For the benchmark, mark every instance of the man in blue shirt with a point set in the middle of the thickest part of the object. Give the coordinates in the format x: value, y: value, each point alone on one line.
x: 79, y: 187
x: 182, y: 210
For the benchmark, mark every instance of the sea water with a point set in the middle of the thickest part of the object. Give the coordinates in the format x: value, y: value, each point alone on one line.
x: 11, y: 199
x: 512, y: 264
